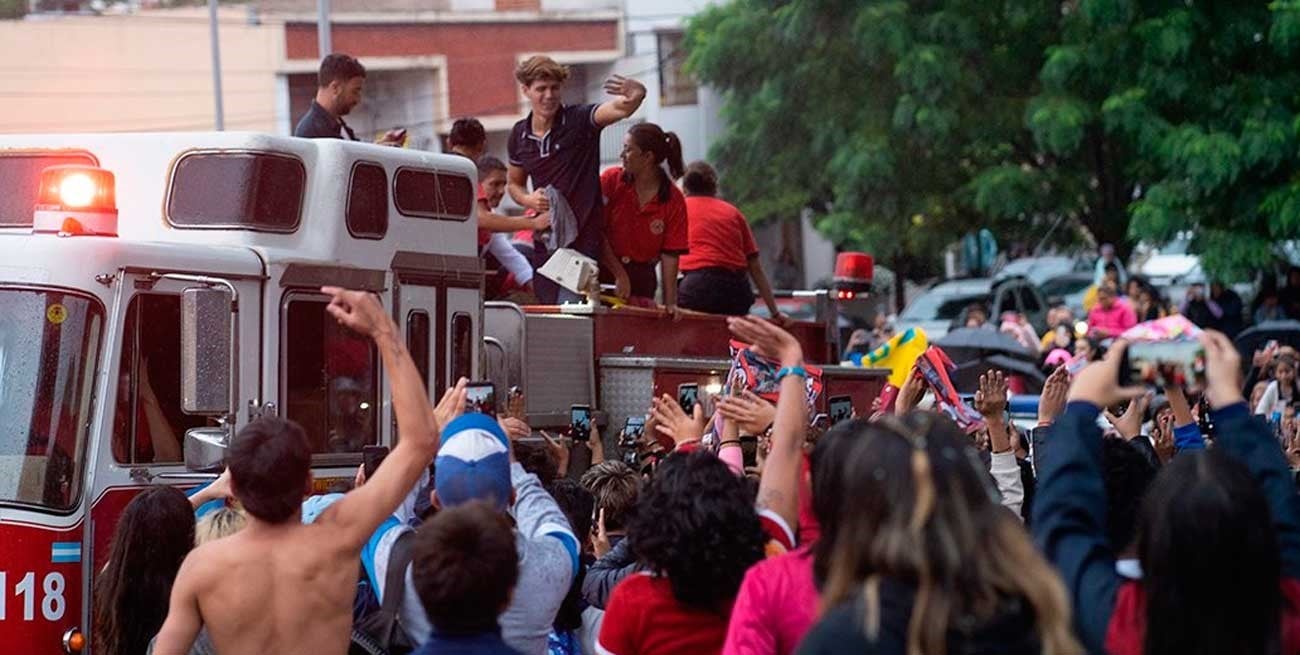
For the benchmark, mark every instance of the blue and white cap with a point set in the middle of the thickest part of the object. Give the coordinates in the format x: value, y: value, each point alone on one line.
x: 473, y: 462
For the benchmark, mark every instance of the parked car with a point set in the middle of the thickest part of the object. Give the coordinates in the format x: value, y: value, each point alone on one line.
x: 1068, y: 289
x: 1038, y: 270
x: 943, y: 307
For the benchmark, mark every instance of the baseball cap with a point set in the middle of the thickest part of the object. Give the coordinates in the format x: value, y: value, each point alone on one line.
x: 473, y: 462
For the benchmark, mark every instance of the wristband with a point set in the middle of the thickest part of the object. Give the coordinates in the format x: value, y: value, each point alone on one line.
x: 728, y: 442
x: 791, y: 370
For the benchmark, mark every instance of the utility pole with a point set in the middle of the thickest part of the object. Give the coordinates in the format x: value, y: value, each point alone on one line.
x: 216, y: 65
x: 323, y: 28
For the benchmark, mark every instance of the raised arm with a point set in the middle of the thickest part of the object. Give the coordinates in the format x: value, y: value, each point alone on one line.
x: 1069, y: 509
x: 1250, y: 442
x: 630, y: 94
x: 991, y: 402
x: 778, y: 490
x: 358, y: 514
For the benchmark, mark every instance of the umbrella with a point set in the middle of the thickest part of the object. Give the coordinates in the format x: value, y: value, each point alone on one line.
x: 966, y: 344
x: 967, y: 376
x: 1286, y: 333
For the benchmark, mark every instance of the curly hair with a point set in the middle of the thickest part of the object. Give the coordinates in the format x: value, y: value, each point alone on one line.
x: 697, y: 526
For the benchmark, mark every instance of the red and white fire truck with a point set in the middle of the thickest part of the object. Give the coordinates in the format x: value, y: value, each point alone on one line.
x: 159, y: 291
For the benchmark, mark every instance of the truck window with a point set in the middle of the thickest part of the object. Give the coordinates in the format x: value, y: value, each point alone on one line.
x: 367, y: 214
x: 20, y: 177
x: 250, y: 190
x: 331, y: 378
x: 462, y: 347
x: 49, y: 352
x: 149, y: 426
x: 417, y: 342
x: 426, y: 194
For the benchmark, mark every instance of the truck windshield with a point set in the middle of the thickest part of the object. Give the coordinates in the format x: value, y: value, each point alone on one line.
x: 49, y: 346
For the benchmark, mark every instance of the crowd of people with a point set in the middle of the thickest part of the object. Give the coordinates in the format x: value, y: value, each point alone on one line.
x: 646, y: 222
x: 1121, y: 524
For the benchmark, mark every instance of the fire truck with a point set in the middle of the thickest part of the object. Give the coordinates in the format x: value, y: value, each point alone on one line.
x: 160, y: 291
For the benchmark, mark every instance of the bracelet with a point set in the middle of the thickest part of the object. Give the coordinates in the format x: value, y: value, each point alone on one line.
x: 728, y: 442
x: 791, y: 370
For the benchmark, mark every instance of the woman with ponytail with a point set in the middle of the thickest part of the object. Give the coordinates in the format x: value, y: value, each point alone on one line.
x: 645, y: 215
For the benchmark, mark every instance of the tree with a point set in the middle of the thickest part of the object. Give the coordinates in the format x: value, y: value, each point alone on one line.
x: 879, y: 115
x: 13, y: 9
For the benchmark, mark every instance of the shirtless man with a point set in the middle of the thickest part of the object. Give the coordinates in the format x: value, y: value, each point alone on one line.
x: 279, y: 586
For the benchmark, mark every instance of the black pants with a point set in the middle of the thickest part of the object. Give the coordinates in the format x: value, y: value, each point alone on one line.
x: 645, y: 281
x: 716, y: 291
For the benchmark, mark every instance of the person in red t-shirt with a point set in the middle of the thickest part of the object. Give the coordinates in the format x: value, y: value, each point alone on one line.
x: 682, y: 603
x: 645, y: 215
x: 723, y: 255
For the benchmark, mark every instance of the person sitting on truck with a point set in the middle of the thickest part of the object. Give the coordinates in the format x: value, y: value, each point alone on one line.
x: 151, y: 540
x: 468, y: 139
x: 723, y: 255
x: 464, y: 567
x: 494, y: 245
x: 279, y: 586
x: 558, y: 146
x: 645, y: 215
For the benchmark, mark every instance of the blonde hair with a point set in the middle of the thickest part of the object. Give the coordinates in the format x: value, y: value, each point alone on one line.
x: 928, y: 518
x: 216, y: 525
x: 540, y: 67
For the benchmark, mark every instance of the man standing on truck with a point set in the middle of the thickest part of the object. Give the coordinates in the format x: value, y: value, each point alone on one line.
x: 280, y: 586
x: 558, y: 146
x: 340, y: 83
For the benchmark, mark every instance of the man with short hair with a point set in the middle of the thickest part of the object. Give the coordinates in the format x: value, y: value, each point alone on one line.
x: 616, y: 487
x: 464, y: 567
x: 476, y: 463
x: 280, y: 586
x: 494, y: 246
x: 558, y: 146
x: 339, y: 85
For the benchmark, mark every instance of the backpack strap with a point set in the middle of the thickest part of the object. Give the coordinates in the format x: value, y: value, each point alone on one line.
x: 394, y: 584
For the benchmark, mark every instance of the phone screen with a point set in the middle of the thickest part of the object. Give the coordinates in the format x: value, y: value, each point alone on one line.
x: 634, y: 428
x: 580, y: 421
x: 371, y: 456
x: 481, y: 398
x: 841, y: 409
x: 1167, y: 364
x: 687, y: 396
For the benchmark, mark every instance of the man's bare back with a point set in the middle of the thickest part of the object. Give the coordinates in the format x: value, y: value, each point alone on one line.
x: 282, y: 587
x: 276, y: 589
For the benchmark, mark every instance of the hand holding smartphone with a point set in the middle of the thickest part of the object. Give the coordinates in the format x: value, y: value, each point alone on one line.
x: 371, y: 457
x: 481, y: 398
x: 580, y: 422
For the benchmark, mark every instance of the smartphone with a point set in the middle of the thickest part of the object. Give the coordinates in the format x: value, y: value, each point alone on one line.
x: 1167, y: 364
x: 687, y: 396
x: 371, y: 456
x: 580, y: 422
x: 749, y: 451
x: 634, y: 428
x: 481, y: 398
x: 841, y: 409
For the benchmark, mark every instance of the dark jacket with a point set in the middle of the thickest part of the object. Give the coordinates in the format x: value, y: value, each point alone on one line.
x: 605, y: 573
x: 1011, y: 631
x: 1069, y: 523
x: 318, y: 123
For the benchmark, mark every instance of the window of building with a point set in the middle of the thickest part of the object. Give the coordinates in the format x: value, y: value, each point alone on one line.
x: 676, y: 86
x: 331, y: 378
x: 462, y: 347
x: 150, y: 426
x: 249, y: 190
x: 20, y: 177
x: 426, y: 194
x: 367, y: 214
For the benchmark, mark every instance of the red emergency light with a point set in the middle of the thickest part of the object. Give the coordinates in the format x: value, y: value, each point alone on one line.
x: 76, y: 200
x: 853, y: 274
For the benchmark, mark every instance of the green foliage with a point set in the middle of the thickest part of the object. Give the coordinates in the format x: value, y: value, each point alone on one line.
x: 906, y: 124
x: 13, y: 9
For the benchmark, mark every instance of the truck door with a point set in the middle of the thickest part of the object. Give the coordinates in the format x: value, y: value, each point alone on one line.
x: 142, y: 440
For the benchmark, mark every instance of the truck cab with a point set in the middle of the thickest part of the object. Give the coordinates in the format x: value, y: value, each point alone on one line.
x: 141, y: 331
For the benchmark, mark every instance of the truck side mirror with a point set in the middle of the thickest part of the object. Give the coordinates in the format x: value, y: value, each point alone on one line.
x: 207, y: 346
x: 205, y: 449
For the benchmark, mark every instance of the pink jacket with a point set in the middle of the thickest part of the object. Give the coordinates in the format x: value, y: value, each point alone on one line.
x: 1112, y: 322
x: 776, y: 606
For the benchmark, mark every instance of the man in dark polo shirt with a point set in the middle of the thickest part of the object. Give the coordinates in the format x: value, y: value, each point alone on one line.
x: 340, y: 83
x: 559, y: 145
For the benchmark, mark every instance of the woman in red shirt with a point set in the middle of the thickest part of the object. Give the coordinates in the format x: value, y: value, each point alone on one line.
x: 645, y: 215
x: 723, y: 255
